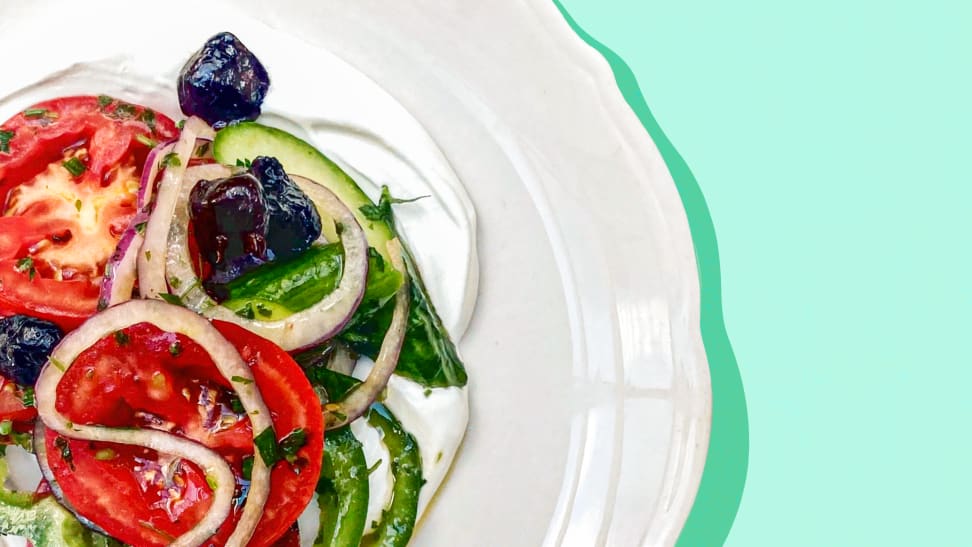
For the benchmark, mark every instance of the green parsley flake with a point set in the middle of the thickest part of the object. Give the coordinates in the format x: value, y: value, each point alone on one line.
x: 26, y: 265
x: 173, y: 299
x: 175, y: 349
x: 122, y: 338
x: 104, y: 100
x: 266, y: 443
x: 74, y: 166
x: 241, y: 380
x: 5, y: 137
x: 170, y: 160
x: 78, y: 204
x: 35, y: 112
x: 148, y: 116
x: 146, y: 140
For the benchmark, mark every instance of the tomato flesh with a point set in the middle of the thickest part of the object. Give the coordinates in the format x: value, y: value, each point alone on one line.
x: 66, y: 222
x: 146, y: 378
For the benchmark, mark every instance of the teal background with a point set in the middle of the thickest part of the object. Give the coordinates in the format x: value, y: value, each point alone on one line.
x: 831, y: 142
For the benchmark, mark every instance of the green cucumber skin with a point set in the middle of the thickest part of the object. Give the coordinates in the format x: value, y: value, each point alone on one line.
x: 342, y: 492
x: 296, y: 284
x: 398, y: 519
x: 428, y: 355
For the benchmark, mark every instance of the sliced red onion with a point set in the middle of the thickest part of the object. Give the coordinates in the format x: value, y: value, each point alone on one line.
x: 153, y: 164
x: 302, y: 329
x: 151, y: 274
x: 229, y: 363
x: 121, y: 271
x: 357, y: 401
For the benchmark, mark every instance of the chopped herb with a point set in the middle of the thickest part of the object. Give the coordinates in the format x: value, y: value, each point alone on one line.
x: 175, y: 349
x: 438, y: 457
x: 122, y: 338
x: 241, y: 380
x: 26, y: 265
x: 148, y: 255
x: 245, y: 162
x: 62, y: 445
x: 5, y: 137
x: 212, y: 482
x: 181, y: 124
x: 170, y: 160
x: 105, y: 454
x: 146, y: 140
x: 427, y: 392
x: 263, y: 310
x: 28, y: 397
x: 247, y: 467
x: 246, y: 312
x: 35, y: 112
x: 237, y: 405
x: 102, y: 304
x: 202, y: 149
x: 266, y: 443
x: 383, y: 210
x: 109, y: 270
x: 6, y: 427
x: 173, y: 299
x: 376, y: 256
x: 74, y: 166
x: 78, y: 204
x: 292, y: 443
x: 104, y: 100
x: 124, y: 110
x: 174, y: 282
x: 148, y: 116
x: 140, y: 227
x: 60, y: 366
x: 374, y: 467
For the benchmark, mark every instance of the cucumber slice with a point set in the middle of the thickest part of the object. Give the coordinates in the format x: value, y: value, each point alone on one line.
x: 428, y: 356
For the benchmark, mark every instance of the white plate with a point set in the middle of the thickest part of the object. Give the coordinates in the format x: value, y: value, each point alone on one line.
x: 589, y: 384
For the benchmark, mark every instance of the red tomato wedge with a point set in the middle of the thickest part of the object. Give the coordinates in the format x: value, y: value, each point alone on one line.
x: 147, y: 378
x: 69, y: 173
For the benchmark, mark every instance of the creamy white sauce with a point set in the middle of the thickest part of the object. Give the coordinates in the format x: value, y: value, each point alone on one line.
x: 321, y: 98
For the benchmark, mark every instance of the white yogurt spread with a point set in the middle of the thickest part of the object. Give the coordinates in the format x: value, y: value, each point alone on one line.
x: 318, y: 97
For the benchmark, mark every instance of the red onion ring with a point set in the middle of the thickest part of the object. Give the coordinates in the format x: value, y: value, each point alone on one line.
x: 305, y: 328
x: 356, y: 402
x: 150, y: 171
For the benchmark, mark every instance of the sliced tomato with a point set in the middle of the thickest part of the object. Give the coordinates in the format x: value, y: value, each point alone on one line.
x: 69, y: 175
x: 147, y: 378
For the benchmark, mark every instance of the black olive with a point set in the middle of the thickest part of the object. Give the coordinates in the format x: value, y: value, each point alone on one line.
x: 25, y: 344
x: 293, y: 222
x: 229, y: 218
x: 223, y: 82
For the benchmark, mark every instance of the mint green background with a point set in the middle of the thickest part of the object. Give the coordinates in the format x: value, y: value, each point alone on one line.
x: 832, y: 142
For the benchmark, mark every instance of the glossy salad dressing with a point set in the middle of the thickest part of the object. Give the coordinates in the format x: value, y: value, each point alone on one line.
x: 374, y: 139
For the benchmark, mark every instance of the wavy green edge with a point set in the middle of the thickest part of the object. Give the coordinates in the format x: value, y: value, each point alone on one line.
x: 724, y: 477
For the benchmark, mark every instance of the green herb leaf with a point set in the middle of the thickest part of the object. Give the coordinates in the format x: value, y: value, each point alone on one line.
x: 28, y: 397
x: 122, y: 338
x: 246, y: 312
x: 6, y: 427
x: 148, y: 255
x: 35, y: 112
x: 104, y: 100
x: 124, y: 110
x: 74, y: 166
x: 5, y: 137
x: 247, y: 467
x: 245, y: 162
x: 241, y: 380
x: 148, y: 116
x: 373, y: 254
x: 146, y: 140
x: 62, y: 445
x: 383, y: 211
x: 202, y: 149
x: 266, y: 443
x: 175, y: 349
x: 173, y: 299
x: 78, y: 204
x: 26, y: 265
x: 181, y: 124
x: 170, y: 160
x: 292, y: 443
x: 212, y: 482
x: 140, y: 227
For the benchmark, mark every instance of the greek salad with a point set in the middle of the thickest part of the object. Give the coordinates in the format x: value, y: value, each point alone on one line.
x: 208, y: 331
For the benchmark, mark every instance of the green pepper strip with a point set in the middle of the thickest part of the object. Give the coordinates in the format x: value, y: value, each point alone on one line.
x: 398, y: 520
x: 42, y: 521
x: 342, y: 491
